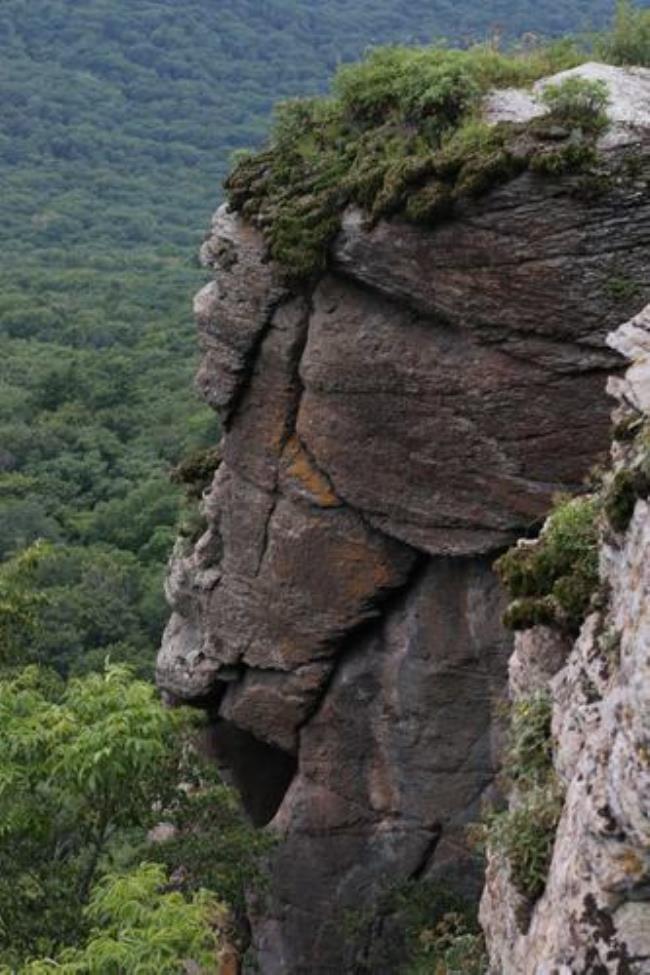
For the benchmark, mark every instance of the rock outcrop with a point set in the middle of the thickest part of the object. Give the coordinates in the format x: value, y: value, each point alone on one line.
x: 387, y: 429
x: 594, y: 914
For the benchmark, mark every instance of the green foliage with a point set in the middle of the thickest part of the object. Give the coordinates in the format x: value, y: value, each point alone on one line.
x: 570, y: 158
x: 553, y: 579
x: 529, y: 753
x: 578, y: 102
x: 215, y: 846
x: 195, y: 473
x: 20, y: 605
x: 451, y: 947
x: 87, y: 767
x: 620, y: 500
x: 196, y: 470
x: 85, y: 603
x: 623, y: 491
x: 525, y: 835
x: 137, y: 926
x: 79, y: 763
x: 438, y: 927
x: 399, y: 134
x: 629, y: 40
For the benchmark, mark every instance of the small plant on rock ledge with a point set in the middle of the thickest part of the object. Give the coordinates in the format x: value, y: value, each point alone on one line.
x: 524, y: 833
x: 578, y: 103
x: 624, y: 490
x: 553, y: 579
x: 529, y: 753
x: 194, y: 473
x: 450, y: 947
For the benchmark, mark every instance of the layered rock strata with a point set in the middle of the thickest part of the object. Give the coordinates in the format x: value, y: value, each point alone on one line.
x: 387, y: 429
x: 594, y: 915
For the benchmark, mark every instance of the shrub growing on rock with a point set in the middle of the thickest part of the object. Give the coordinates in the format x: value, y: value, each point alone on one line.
x: 553, y: 578
x: 400, y: 134
x: 578, y: 102
x: 524, y: 833
x: 453, y: 946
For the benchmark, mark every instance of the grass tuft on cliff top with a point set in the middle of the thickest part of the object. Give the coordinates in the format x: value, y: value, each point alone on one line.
x: 402, y: 133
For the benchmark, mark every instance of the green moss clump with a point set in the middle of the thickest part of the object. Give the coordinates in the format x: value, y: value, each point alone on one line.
x: 622, y: 288
x: 553, y: 579
x: 401, y: 134
x: 529, y: 611
x: 622, y: 494
x: 195, y: 472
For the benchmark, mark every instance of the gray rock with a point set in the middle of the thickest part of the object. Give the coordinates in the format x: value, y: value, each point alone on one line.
x: 383, y: 791
x: 594, y: 914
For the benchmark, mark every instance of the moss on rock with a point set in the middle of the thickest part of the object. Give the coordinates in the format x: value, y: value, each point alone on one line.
x: 402, y: 134
x: 625, y: 488
x: 553, y: 579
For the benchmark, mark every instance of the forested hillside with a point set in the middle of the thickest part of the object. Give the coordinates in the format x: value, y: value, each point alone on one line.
x: 116, y: 124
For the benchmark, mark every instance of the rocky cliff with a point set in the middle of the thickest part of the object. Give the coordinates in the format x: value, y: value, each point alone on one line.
x: 390, y: 424
x: 593, y: 914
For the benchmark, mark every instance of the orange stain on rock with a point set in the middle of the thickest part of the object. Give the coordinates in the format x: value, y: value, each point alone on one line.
x: 299, y: 468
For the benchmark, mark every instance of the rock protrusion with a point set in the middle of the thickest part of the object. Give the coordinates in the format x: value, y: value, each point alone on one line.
x: 389, y: 426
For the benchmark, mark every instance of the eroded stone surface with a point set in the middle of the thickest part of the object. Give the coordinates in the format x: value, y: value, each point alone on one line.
x: 594, y: 915
x: 233, y: 310
x: 383, y: 792
x: 463, y: 444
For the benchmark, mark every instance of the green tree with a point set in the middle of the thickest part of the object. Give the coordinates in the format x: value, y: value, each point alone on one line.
x: 137, y: 926
x: 20, y: 605
x: 80, y: 764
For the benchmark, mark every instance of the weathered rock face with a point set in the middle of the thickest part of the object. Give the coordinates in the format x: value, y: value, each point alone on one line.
x: 594, y: 915
x: 387, y: 429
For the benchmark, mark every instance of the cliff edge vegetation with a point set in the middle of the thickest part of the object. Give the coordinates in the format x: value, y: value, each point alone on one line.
x: 404, y: 132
